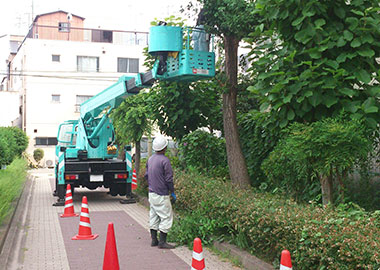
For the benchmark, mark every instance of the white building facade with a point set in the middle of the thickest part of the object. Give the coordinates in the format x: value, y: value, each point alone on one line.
x: 55, y: 75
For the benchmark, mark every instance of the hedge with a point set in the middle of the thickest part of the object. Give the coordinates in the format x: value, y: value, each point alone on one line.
x: 318, y: 238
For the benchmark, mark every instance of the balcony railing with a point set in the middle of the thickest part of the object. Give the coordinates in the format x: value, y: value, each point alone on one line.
x: 132, y: 38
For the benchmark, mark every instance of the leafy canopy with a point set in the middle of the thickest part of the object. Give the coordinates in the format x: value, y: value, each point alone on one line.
x: 317, y: 58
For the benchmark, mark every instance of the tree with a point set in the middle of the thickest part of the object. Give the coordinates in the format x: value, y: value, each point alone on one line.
x: 316, y: 59
x: 132, y: 120
x: 38, y: 155
x: 180, y: 108
x: 231, y: 20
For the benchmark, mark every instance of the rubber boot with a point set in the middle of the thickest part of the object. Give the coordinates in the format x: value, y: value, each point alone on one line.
x: 162, y: 243
x: 153, y: 234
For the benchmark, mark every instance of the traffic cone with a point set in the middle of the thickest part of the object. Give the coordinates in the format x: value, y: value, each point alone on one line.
x: 286, y: 263
x: 110, y: 261
x: 84, y: 224
x: 134, y: 180
x: 69, y: 205
x: 197, y: 263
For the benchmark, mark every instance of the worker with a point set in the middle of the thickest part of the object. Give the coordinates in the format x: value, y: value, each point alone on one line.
x: 200, y: 37
x: 159, y: 175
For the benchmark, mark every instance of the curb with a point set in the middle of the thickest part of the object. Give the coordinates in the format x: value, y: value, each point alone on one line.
x: 10, y: 231
x: 248, y: 261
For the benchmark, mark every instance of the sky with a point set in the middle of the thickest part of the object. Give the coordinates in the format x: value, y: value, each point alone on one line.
x: 127, y: 15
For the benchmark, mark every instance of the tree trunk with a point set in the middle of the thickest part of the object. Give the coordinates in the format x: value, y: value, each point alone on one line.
x: 137, y: 157
x: 327, y: 189
x: 236, y: 161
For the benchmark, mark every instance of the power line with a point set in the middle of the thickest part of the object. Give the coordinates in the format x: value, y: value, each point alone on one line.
x: 88, y: 78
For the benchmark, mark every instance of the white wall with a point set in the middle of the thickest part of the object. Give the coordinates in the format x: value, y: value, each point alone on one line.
x: 9, y: 108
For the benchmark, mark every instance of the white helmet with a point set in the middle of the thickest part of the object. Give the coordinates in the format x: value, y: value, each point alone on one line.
x: 159, y: 143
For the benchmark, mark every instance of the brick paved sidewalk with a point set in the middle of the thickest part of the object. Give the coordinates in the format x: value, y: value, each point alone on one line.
x: 47, y: 244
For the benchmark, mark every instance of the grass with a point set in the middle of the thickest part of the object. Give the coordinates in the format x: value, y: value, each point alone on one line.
x: 11, y: 183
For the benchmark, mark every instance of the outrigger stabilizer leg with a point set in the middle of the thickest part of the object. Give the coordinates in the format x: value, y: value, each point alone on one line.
x: 129, y: 197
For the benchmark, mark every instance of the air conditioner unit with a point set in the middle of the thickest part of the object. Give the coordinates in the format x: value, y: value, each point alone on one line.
x: 49, y: 163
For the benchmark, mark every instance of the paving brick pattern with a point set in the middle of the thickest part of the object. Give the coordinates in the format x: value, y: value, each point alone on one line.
x: 46, y: 244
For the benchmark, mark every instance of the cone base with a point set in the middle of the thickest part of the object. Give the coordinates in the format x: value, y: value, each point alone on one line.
x: 85, y: 237
x: 69, y: 215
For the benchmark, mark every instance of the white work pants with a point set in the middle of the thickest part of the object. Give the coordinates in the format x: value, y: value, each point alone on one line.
x: 161, y: 213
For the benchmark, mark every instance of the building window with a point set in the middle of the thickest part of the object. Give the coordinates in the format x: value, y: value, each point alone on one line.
x: 64, y: 27
x: 128, y: 65
x: 80, y: 100
x: 46, y: 141
x: 56, y: 98
x: 55, y: 58
x: 87, y: 64
x: 101, y: 36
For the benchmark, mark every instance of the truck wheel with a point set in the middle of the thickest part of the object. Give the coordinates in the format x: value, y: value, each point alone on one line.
x: 61, y: 191
x: 118, y: 189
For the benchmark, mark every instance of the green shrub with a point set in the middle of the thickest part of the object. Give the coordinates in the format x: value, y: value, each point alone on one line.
x: 13, y: 141
x: 309, y: 152
x: 11, y: 182
x: 257, y: 140
x: 38, y: 154
x: 205, y: 152
x: 318, y: 238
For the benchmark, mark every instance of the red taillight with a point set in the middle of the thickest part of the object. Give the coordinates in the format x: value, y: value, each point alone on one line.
x: 121, y: 176
x: 71, y: 177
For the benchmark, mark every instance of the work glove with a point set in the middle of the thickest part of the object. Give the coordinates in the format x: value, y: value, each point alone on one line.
x: 173, y: 198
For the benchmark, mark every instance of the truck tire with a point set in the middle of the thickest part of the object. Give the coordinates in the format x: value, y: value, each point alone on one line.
x: 118, y: 189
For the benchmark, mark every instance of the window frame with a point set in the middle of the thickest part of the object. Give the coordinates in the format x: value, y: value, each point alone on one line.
x: 45, y: 141
x: 64, y: 27
x: 86, y: 56
x: 128, y: 59
x: 58, y: 56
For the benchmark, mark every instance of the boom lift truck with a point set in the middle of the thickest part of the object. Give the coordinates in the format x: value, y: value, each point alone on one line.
x: 86, y: 155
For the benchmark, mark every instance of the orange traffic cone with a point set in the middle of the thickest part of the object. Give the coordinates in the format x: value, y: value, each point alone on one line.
x: 134, y: 180
x: 110, y: 261
x: 197, y: 263
x: 69, y: 205
x: 286, y: 263
x: 84, y: 224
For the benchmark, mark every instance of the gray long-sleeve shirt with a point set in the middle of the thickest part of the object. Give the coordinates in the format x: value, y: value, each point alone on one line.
x: 159, y: 174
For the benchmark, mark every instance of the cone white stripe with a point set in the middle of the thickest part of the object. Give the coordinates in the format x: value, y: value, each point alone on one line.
x: 84, y: 205
x: 69, y: 198
x: 68, y: 205
x: 84, y: 224
x: 192, y: 268
x: 83, y: 214
x: 68, y: 191
x: 283, y: 267
x: 197, y: 256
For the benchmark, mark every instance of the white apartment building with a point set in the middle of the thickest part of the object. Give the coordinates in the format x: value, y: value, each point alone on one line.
x: 60, y: 64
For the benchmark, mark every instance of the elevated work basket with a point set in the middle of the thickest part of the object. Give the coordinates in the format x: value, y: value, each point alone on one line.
x: 183, y: 63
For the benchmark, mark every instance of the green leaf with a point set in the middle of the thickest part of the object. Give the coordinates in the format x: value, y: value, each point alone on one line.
x: 290, y: 115
x: 366, y: 52
x: 347, y: 92
x: 348, y: 35
x: 320, y: 22
x: 333, y: 64
x: 371, y: 109
x: 341, y: 42
x: 341, y: 58
x: 315, y: 54
x: 340, y: 12
x: 354, y: 22
x: 315, y: 100
x: 298, y: 21
x: 367, y: 38
x: 329, y: 101
x: 357, y: 12
x: 363, y: 76
x: 283, y: 123
x: 355, y: 43
x: 288, y: 98
x: 308, y: 93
